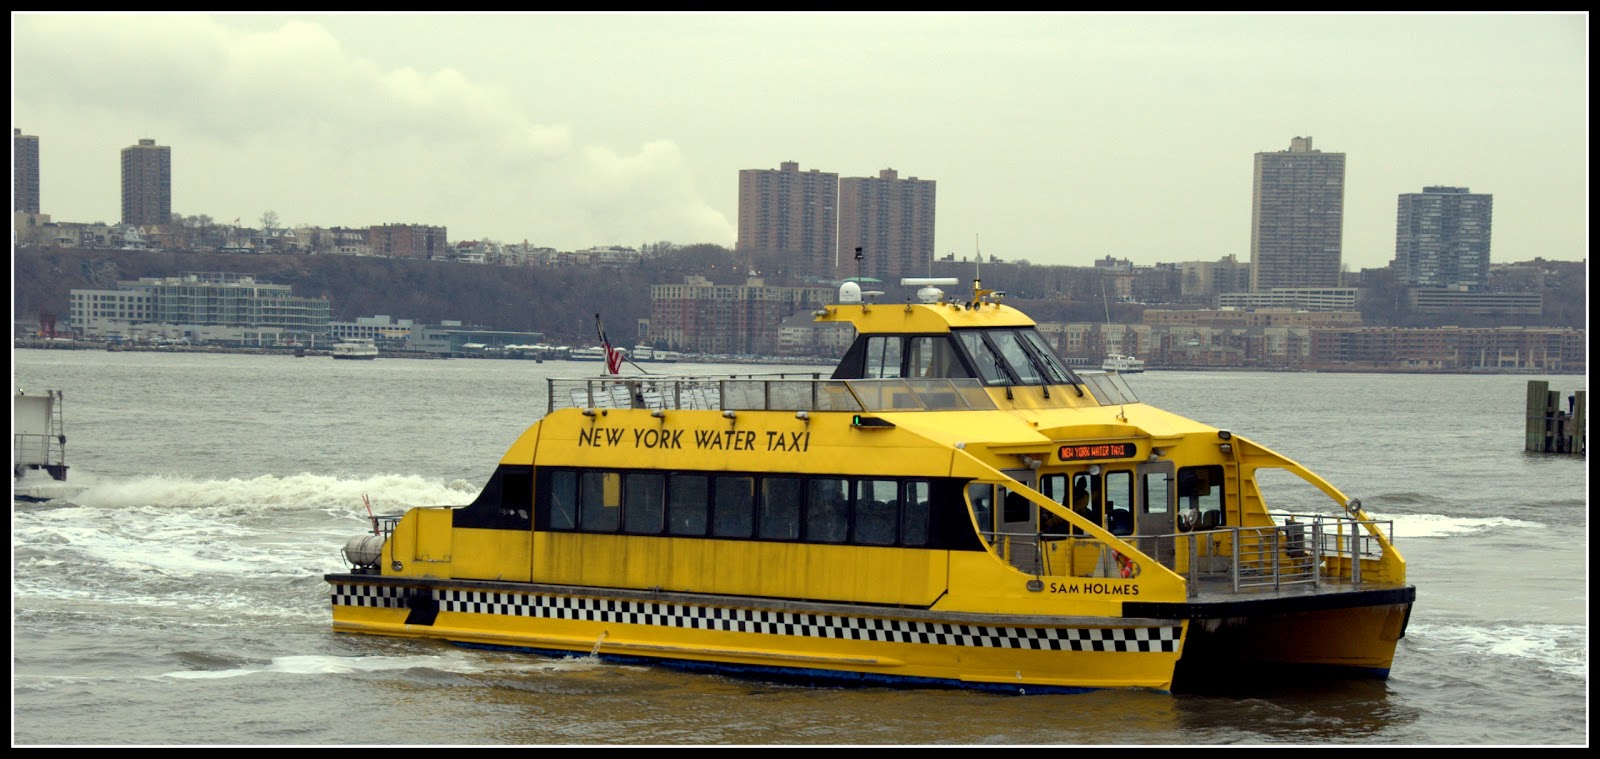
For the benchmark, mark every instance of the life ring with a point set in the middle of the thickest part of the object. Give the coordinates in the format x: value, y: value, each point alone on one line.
x: 1128, y: 567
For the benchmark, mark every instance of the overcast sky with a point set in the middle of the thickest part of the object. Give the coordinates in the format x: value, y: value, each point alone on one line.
x: 1056, y: 138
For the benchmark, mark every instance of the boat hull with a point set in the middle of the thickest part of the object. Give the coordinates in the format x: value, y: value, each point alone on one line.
x: 789, y: 640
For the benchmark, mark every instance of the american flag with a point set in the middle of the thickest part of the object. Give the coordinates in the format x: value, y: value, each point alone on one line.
x: 613, y: 355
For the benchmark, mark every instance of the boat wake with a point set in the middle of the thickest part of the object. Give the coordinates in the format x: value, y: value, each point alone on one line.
x: 1557, y: 649
x: 451, y: 662
x: 267, y: 493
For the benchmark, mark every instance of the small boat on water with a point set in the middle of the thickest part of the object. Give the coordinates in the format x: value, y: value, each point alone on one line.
x: 39, y: 448
x: 1121, y: 364
x: 651, y: 354
x: 952, y: 507
x: 355, y: 349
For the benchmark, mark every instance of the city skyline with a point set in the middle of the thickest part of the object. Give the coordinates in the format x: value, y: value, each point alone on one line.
x: 1055, y: 138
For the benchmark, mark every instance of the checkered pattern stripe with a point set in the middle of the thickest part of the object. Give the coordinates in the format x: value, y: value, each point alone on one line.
x: 1160, y: 639
x: 376, y: 596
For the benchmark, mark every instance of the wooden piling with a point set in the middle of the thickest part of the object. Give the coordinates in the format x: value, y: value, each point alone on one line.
x: 1555, y: 425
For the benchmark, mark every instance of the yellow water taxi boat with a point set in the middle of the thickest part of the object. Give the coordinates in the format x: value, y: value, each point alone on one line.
x: 952, y: 507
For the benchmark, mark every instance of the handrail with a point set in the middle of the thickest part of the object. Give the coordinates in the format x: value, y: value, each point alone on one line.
x: 770, y: 392
x: 1309, y: 550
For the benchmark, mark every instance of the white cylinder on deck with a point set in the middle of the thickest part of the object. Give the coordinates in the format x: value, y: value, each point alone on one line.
x: 363, y: 550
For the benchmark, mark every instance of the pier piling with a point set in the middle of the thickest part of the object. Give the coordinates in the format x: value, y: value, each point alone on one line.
x: 1556, y: 424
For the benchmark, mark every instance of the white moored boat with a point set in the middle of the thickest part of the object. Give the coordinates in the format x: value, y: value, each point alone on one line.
x: 355, y: 349
x: 904, y: 521
x: 1121, y: 364
x: 39, y: 448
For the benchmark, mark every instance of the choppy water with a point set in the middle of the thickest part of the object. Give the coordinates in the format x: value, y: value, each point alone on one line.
x: 180, y: 601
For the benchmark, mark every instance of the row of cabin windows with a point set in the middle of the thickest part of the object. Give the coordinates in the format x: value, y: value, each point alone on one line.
x: 1011, y: 356
x: 861, y: 511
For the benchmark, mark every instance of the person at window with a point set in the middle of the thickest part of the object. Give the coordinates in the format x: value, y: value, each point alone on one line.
x: 1081, y: 503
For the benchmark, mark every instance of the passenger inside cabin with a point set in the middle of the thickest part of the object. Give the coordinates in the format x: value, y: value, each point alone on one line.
x: 1083, y: 500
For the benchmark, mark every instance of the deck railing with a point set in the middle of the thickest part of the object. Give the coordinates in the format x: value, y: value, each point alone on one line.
x: 772, y: 392
x: 1303, y: 550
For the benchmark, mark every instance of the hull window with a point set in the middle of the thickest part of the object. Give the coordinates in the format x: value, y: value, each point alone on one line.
x: 863, y: 511
x: 877, y: 504
x: 687, y: 496
x: 731, y: 509
x: 828, y: 511
x: 600, y: 501
x: 644, y: 495
x: 780, y: 508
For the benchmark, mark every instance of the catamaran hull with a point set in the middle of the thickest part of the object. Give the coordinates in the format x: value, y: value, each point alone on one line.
x: 790, y: 640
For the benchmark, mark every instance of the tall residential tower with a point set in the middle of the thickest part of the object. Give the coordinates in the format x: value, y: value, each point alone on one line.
x: 146, y: 184
x: 792, y: 214
x: 1442, y: 239
x: 1297, y: 219
x: 891, y: 220
x: 24, y: 172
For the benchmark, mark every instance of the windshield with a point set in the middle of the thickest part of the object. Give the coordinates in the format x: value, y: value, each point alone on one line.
x: 1014, y: 356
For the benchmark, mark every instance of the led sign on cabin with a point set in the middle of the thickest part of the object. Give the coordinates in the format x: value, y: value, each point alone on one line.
x: 1097, y: 451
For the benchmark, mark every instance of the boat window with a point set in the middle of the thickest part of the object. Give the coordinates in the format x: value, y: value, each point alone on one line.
x: 890, y: 394
x: 931, y: 357
x: 1109, y: 389
x: 1054, y: 370
x: 1200, y: 495
x: 981, y: 496
x: 827, y: 509
x: 914, y: 511
x: 988, y: 362
x: 1119, y: 502
x: 600, y: 501
x: 731, y: 515
x: 1158, y: 496
x: 883, y: 357
x: 1016, y: 356
x: 866, y: 511
x: 642, y: 502
x: 877, y: 504
x: 780, y: 508
x: 563, y: 500
x: 686, y: 504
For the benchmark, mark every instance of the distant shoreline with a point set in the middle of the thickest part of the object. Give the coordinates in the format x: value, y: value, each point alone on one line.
x: 59, y: 344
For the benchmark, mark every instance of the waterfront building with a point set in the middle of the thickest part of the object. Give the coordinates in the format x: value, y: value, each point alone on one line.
x: 24, y: 172
x: 792, y: 214
x: 701, y: 317
x: 1459, y: 301
x: 147, y: 184
x: 1442, y: 238
x: 383, y: 330
x: 1305, y: 298
x: 223, y: 308
x: 891, y: 221
x: 452, y: 338
x: 1451, y: 349
x: 1259, y: 317
x: 1297, y: 218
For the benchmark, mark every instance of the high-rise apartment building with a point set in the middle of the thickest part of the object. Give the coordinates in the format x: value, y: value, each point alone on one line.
x: 1297, y: 219
x: 408, y: 241
x: 146, y: 184
x: 24, y: 172
x: 891, y: 220
x: 792, y: 214
x: 1442, y: 238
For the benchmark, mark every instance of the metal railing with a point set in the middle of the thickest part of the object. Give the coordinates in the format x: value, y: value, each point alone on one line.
x: 776, y: 392
x: 1303, y: 550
